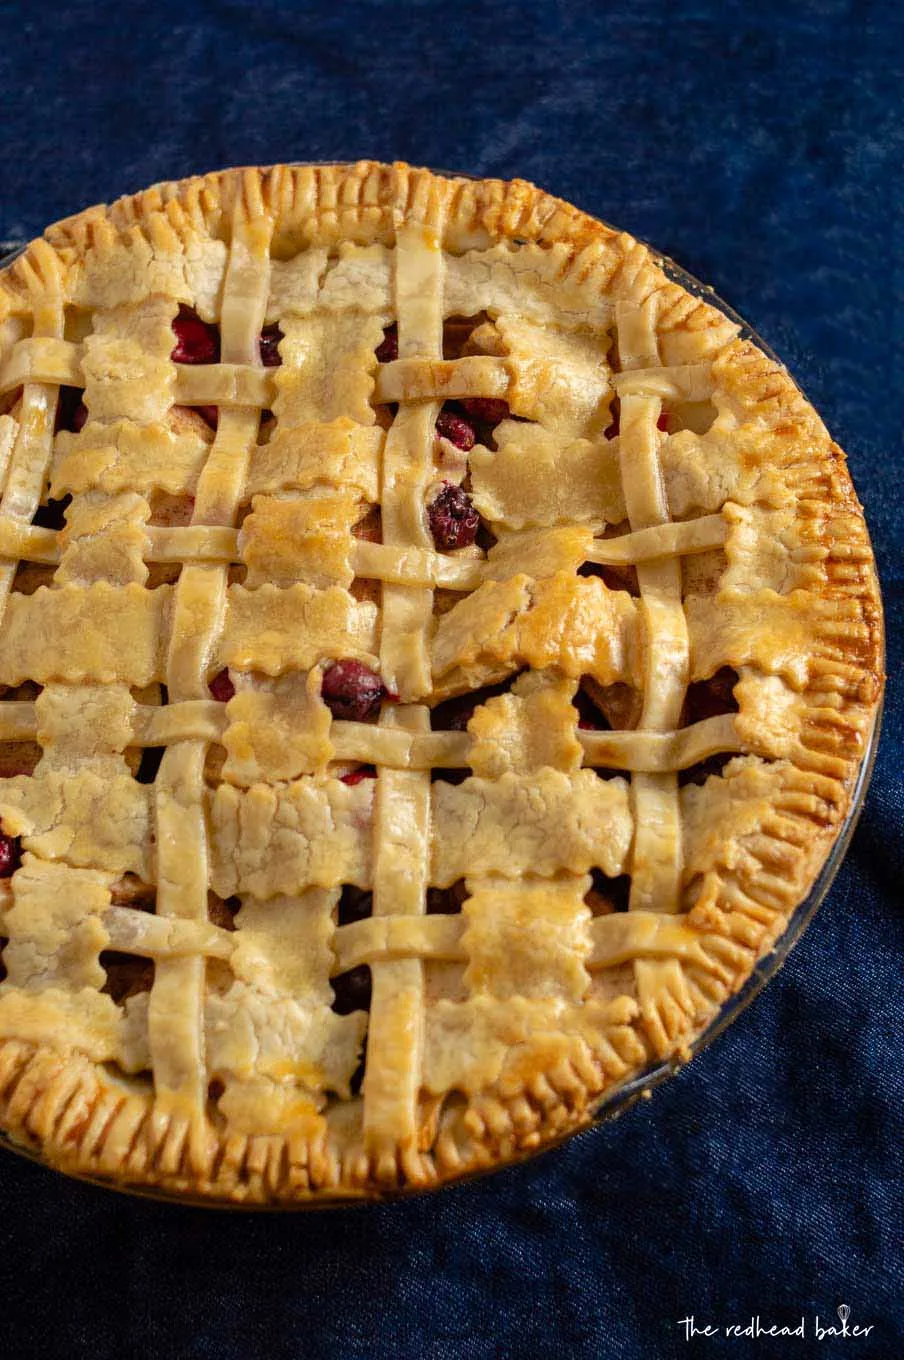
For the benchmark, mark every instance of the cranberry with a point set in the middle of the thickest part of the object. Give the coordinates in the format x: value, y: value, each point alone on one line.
x: 663, y: 422
x: 453, y: 520
x: 71, y: 410
x: 211, y: 414
x: 9, y: 855
x: 358, y: 776
x: 269, y: 346
x: 388, y: 348
x: 352, y: 990
x: 488, y: 410
x: 221, y: 687
x: 196, y: 342
x: 456, y: 429
x: 352, y: 690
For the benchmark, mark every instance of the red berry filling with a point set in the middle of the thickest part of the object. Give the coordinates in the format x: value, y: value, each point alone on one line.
x: 456, y: 429
x: 209, y: 413
x: 352, y: 691
x: 663, y: 422
x: 196, y: 341
x: 71, y: 411
x: 269, y: 346
x: 488, y: 410
x: 10, y: 857
x: 358, y: 776
x: 388, y: 348
x: 221, y: 687
x: 453, y: 520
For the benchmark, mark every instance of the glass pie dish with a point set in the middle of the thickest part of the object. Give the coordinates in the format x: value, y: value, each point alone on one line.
x: 456, y: 970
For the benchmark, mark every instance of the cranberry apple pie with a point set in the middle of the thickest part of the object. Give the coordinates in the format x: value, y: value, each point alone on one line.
x: 436, y: 656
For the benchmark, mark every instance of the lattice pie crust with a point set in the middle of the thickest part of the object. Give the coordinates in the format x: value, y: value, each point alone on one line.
x: 660, y: 509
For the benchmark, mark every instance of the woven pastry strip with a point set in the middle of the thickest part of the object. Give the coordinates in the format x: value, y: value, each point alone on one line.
x: 401, y: 825
x: 175, y: 1013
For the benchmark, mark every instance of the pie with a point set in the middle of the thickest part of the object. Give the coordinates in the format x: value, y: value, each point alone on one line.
x: 437, y: 653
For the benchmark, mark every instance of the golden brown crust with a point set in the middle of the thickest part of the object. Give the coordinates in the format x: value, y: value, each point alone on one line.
x: 751, y: 484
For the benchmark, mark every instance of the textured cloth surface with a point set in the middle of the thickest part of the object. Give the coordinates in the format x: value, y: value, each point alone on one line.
x: 760, y: 145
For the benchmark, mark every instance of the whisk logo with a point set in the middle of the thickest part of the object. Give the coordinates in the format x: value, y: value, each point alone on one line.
x: 758, y: 1327
x: 824, y: 1331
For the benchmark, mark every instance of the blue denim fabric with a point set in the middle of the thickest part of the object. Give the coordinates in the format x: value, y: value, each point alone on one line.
x: 760, y: 145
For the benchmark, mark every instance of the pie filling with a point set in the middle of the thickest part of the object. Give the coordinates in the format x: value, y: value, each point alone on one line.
x: 435, y: 656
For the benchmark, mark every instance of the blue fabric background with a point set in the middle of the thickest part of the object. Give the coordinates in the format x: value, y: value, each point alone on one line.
x: 760, y: 145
